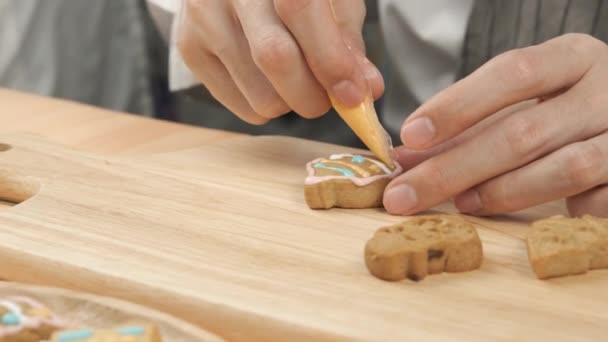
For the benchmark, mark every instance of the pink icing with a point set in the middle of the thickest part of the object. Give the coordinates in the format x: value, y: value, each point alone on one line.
x: 28, y: 322
x: 312, y: 179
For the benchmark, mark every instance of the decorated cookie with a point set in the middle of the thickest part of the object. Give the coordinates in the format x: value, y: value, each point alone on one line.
x: 127, y: 333
x: 24, y: 319
x: 347, y: 181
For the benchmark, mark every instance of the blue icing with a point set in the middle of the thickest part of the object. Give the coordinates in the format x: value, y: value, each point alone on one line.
x: 77, y: 335
x: 358, y: 159
x: 132, y: 331
x: 344, y: 172
x: 10, y: 319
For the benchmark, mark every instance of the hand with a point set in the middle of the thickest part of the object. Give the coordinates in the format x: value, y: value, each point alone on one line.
x: 555, y: 146
x: 264, y: 58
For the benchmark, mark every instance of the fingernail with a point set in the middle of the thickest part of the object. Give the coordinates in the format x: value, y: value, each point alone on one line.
x: 418, y: 133
x: 347, y: 93
x: 469, y: 202
x: 400, y: 199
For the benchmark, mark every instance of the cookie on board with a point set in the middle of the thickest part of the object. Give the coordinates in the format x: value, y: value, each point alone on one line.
x: 423, y: 245
x: 561, y: 246
x: 127, y: 333
x: 347, y: 181
x: 23, y: 319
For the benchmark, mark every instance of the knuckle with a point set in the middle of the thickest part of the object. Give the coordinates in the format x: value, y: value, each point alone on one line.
x: 332, y: 64
x: 274, y: 53
x: 591, y: 102
x: 225, y: 51
x: 288, y: 8
x: 442, y: 182
x: 196, y: 12
x: 519, y: 68
x: 582, y: 47
x: 194, y: 6
x: 495, y: 196
x: 583, y: 42
x: 523, y: 137
x: 588, y: 99
x: 582, y: 165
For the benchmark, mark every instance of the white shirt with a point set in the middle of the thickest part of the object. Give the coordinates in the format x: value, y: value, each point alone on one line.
x: 424, y: 40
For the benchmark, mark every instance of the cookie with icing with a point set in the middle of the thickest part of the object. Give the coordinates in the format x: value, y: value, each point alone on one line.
x: 347, y: 181
x: 24, y: 319
x: 127, y: 333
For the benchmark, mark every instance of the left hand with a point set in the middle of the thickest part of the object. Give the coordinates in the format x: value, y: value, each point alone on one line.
x: 470, y: 144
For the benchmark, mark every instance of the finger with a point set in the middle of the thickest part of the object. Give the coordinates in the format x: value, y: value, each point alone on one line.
x: 277, y: 54
x: 212, y: 73
x: 409, y: 158
x: 222, y: 35
x: 592, y: 202
x: 511, y: 143
x: 509, y: 78
x: 335, y: 66
x: 571, y: 170
x: 373, y: 76
x: 350, y: 17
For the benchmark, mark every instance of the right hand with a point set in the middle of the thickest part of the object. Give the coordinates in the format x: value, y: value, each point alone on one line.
x: 263, y: 58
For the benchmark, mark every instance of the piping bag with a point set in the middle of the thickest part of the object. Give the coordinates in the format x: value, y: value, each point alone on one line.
x: 363, y: 121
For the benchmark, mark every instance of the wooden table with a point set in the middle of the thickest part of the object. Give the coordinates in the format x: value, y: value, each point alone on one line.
x: 97, y: 130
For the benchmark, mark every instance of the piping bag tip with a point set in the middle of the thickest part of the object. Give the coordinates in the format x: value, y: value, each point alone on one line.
x: 364, y: 122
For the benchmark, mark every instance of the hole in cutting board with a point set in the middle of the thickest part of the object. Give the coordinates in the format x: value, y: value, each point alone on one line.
x: 15, y: 188
x: 5, y: 147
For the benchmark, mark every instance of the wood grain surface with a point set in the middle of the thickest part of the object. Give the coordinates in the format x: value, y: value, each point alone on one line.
x: 220, y: 236
x: 80, y: 310
x: 97, y: 130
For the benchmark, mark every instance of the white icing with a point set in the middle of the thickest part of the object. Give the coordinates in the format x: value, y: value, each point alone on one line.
x: 377, y: 162
x: 381, y: 165
x: 312, y: 179
x: 13, y: 308
x: 27, y: 322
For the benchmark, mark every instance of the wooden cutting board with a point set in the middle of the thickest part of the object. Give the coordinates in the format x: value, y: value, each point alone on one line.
x: 221, y: 236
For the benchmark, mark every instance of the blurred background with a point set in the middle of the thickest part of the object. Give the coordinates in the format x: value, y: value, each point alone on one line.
x: 114, y: 54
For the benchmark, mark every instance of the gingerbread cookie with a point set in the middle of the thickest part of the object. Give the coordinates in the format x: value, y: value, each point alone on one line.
x: 128, y: 333
x: 423, y: 245
x: 347, y: 181
x: 24, y: 319
x: 561, y: 246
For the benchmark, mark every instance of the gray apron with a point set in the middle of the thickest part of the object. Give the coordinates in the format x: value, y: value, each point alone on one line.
x: 102, y: 52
